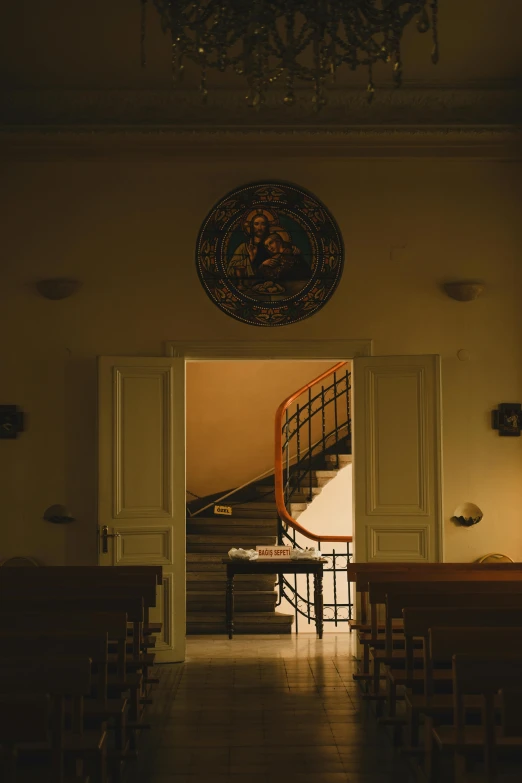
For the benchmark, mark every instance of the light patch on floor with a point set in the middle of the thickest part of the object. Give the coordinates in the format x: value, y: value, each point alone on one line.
x: 263, y: 709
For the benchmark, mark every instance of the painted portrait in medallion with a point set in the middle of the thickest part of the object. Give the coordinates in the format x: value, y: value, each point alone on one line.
x: 269, y: 254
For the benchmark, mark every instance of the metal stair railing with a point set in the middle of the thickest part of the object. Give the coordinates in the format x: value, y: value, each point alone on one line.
x: 316, y: 420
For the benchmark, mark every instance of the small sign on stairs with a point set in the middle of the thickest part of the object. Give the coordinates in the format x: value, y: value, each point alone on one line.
x: 223, y: 510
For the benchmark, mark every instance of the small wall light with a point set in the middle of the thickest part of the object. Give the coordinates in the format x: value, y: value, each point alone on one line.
x: 467, y: 514
x: 464, y: 291
x: 58, y: 514
x: 57, y: 287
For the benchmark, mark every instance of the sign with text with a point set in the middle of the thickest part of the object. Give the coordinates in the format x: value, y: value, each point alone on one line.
x: 225, y: 510
x: 274, y: 552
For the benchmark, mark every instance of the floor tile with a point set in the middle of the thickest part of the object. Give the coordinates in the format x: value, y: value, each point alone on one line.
x: 263, y: 709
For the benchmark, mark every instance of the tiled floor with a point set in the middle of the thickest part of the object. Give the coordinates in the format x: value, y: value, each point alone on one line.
x: 263, y: 709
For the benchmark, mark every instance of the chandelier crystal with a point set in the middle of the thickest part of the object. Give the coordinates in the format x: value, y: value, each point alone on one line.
x: 290, y: 41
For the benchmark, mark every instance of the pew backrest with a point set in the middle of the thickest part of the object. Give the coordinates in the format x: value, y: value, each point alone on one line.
x: 511, y: 714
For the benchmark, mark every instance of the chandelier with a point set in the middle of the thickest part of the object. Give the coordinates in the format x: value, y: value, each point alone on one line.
x: 290, y: 41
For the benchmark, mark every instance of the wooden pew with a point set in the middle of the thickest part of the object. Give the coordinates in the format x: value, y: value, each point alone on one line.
x: 376, y: 593
x: 31, y: 590
x: 369, y: 569
x: 97, y: 578
x: 73, y: 613
x: 450, y: 583
x: 23, y: 718
x: 60, y: 678
x: 511, y: 712
x: 437, y: 653
x: 54, y: 641
x: 367, y: 573
x: 485, y: 675
x: 80, y: 600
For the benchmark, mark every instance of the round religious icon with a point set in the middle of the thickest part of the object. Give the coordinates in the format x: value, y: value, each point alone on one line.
x: 269, y: 254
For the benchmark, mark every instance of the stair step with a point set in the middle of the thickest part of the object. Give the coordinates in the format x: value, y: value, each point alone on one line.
x: 217, y: 581
x: 244, y: 622
x: 257, y: 509
x: 344, y: 459
x: 204, y: 558
x: 303, y: 493
x: 217, y: 528
x: 232, y: 540
x: 319, y: 479
x: 324, y: 475
x: 221, y: 576
x: 232, y: 521
x: 206, y: 600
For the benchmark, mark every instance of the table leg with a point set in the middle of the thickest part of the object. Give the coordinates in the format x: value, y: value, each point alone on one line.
x: 318, y: 603
x: 230, y: 605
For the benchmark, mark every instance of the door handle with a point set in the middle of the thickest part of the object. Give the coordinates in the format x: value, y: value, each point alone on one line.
x: 106, y: 535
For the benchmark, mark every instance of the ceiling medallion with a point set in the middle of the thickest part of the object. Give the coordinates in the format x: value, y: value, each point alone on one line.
x: 290, y: 41
x: 269, y: 254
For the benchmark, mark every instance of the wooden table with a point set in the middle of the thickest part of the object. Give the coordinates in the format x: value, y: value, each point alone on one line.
x: 314, y: 567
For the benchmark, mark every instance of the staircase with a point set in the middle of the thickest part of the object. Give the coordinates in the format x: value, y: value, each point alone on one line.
x: 209, y: 539
x: 252, y: 523
x: 322, y: 448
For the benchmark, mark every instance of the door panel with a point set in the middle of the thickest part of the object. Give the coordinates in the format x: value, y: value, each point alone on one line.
x: 397, y: 458
x: 141, y: 479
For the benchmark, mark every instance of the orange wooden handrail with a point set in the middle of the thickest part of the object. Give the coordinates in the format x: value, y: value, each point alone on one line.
x: 278, y: 475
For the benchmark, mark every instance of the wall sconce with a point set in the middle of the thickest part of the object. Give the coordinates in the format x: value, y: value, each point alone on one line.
x: 467, y: 514
x: 464, y: 291
x: 58, y: 514
x: 11, y: 421
x: 57, y: 287
x: 507, y: 419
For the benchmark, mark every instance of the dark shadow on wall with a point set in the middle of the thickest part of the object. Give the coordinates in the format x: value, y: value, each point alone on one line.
x: 80, y: 459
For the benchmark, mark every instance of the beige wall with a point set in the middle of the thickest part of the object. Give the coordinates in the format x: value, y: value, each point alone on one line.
x: 127, y: 229
x: 231, y: 408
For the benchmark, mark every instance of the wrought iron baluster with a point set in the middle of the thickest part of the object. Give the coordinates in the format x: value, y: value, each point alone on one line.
x: 287, y: 461
x: 308, y: 596
x: 295, y: 593
x: 334, y: 564
x: 348, y: 556
x: 336, y: 421
x: 310, y: 442
x: 323, y: 420
x: 348, y: 423
x: 298, y: 436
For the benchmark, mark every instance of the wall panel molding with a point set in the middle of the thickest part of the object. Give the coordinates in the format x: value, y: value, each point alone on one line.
x: 376, y: 392
x: 157, y: 501
x: 144, y: 545
x: 398, y: 543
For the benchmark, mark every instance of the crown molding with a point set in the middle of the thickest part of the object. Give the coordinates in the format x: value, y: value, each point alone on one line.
x: 498, y: 104
x: 475, y: 121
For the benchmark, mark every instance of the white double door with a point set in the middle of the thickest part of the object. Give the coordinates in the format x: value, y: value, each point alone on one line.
x: 141, y: 470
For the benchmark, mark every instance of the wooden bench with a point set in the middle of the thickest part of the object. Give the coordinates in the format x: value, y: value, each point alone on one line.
x: 23, y: 719
x: 423, y: 695
x: 59, y: 677
x: 369, y: 569
x: 430, y: 611
x: 380, y: 589
x: 485, y: 675
x: 49, y: 599
x: 96, y: 578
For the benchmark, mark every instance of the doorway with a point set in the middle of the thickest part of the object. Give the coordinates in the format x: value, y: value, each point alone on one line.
x: 231, y: 469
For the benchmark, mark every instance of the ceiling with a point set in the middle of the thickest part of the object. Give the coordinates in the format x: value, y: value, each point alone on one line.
x: 96, y: 45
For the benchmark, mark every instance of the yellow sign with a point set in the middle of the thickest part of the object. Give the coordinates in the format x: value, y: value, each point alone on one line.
x: 226, y: 510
